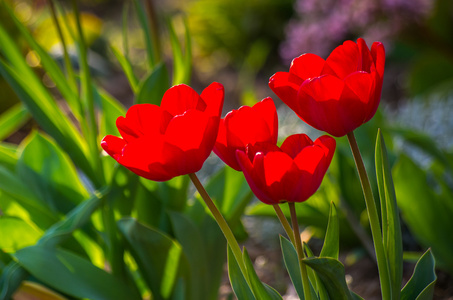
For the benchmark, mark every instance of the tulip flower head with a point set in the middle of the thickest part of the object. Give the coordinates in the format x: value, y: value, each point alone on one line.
x: 290, y: 173
x: 247, y: 125
x: 175, y: 138
x: 338, y: 94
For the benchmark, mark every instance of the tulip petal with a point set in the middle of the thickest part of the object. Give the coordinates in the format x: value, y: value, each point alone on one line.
x: 362, y: 85
x: 285, y: 86
x: 253, y: 173
x: 328, y: 144
x: 245, y: 127
x: 279, y: 175
x: 181, y: 98
x: 221, y: 149
x: 139, y: 154
x: 189, y: 140
x: 344, y: 60
x: 378, y: 54
x: 307, y: 66
x: 142, y: 119
x: 213, y: 96
x: 113, y: 146
x: 268, y: 112
x: 294, y: 144
x: 366, y: 60
x: 327, y: 104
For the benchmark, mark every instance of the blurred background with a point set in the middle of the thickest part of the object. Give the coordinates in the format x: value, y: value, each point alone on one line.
x: 241, y: 44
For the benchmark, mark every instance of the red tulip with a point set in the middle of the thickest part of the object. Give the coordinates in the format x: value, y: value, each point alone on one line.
x: 338, y: 94
x: 247, y: 125
x: 290, y: 173
x: 175, y: 138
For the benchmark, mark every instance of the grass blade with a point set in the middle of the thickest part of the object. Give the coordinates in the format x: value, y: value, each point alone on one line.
x: 12, y: 119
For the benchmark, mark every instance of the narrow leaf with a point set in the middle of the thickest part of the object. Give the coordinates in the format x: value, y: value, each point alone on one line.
x: 260, y: 290
x: 71, y: 274
x: 392, y: 237
x: 332, y: 274
x: 331, y: 247
x: 421, y: 284
x: 190, y: 238
x: 292, y: 265
x: 164, y: 267
x: 316, y: 282
x: 12, y: 276
x: 50, y: 66
x: 12, y: 119
x: 153, y: 87
x: 127, y: 68
x: 146, y: 34
x: 16, y: 234
x: 50, y: 118
x: 181, y: 61
x: 75, y: 219
x: 240, y: 286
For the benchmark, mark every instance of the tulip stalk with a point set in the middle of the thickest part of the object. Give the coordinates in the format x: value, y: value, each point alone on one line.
x: 232, y: 242
x: 300, y: 251
x: 383, y: 268
x: 284, y: 223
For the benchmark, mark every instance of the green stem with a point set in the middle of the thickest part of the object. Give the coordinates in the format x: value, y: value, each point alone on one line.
x: 300, y: 252
x: 284, y: 222
x: 154, y: 30
x: 87, y: 93
x: 67, y: 61
x: 232, y: 242
x: 383, y: 268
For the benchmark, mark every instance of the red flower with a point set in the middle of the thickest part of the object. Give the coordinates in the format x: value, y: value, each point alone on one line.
x: 247, y: 125
x: 291, y: 173
x: 336, y: 95
x: 175, y: 138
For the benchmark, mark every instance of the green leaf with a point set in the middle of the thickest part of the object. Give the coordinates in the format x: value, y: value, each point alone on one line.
x: 17, y: 234
x: 71, y: 274
x: 391, y: 228
x: 238, y: 283
x: 74, y: 220
x: 421, y: 284
x: 191, y: 241
x: 153, y: 87
x: 332, y: 274
x: 150, y: 47
x: 427, y: 214
x: 315, y: 282
x: 8, y: 156
x: 260, y: 290
x: 50, y: 66
x: 127, y: 68
x: 12, y: 119
x: 182, y: 61
x: 292, y: 265
x: 44, y: 110
x: 236, y: 196
x: 331, y: 247
x: 50, y: 173
x: 12, y: 277
x: 111, y: 110
x: 164, y: 267
x: 15, y: 187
